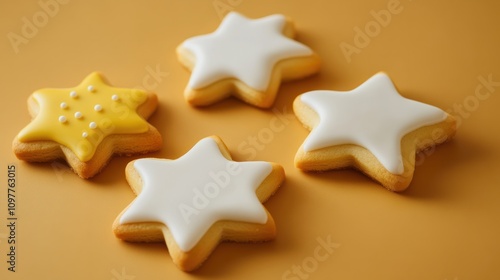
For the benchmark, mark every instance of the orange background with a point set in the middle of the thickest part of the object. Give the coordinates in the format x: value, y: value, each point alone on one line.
x: 445, y: 226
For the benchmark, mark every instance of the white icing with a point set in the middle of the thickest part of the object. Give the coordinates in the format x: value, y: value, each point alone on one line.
x: 242, y: 48
x: 63, y: 105
x: 85, y: 134
x: 78, y: 115
x: 73, y: 94
x: 62, y: 119
x: 91, y: 88
x: 170, y: 184
x: 115, y: 97
x: 93, y: 125
x: 373, y: 115
x: 97, y: 108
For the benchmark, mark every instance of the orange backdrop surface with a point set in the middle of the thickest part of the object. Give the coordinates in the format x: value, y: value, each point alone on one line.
x: 445, y: 226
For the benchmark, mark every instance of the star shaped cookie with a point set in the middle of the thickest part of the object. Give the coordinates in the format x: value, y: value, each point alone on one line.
x: 194, y: 202
x: 372, y: 128
x: 87, y: 124
x: 246, y: 58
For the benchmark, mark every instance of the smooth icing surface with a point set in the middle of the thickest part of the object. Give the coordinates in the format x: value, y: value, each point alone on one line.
x: 191, y: 193
x: 242, y: 48
x: 79, y: 118
x: 374, y: 116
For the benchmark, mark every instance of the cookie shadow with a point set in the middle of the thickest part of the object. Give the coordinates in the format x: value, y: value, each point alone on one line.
x: 289, y: 90
x: 436, y: 164
x: 114, y: 171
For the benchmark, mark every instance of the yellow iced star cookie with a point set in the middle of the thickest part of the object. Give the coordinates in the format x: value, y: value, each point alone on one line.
x: 87, y: 124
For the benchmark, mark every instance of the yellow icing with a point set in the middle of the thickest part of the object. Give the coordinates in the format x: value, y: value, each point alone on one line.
x: 69, y: 120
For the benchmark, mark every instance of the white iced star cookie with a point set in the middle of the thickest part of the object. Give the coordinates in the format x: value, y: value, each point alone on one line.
x: 246, y: 58
x: 87, y: 124
x: 372, y: 128
x: 198, y: 200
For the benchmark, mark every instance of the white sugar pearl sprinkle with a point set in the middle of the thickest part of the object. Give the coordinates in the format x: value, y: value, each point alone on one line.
x: 62, y: 119
x: 78, y: 115
x: 85, y: 134
x: 93, y: 125
x: 115, y: 97
x: 73, y: 94
x: 91, y: 88
x: 63, y: 105
x: 98, y: 108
